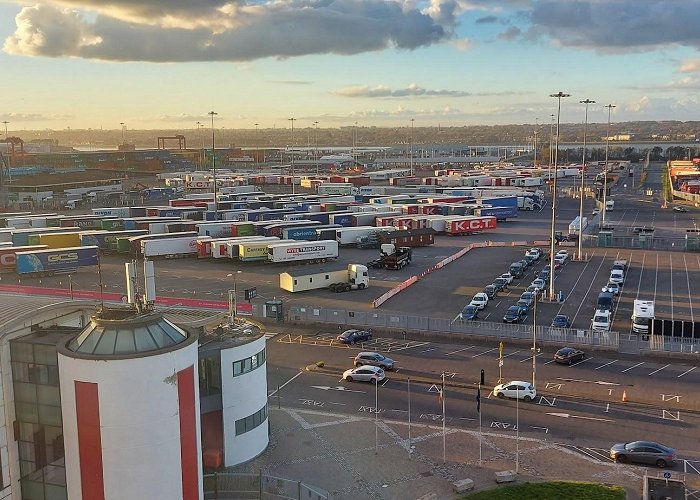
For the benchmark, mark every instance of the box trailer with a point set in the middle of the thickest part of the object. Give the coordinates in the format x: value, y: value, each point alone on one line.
x: 107, y: 240
x: 8, y: 256
x: 56, y: 240
x: 50, y: 261
x: 316, y: 251
x: 310, y: 232
x: 181, y: 246
x: 350, y: 235
x: 469, y: 225
x: 336, y: 279
x: 408, y: 237
x: 500, y: 213
x: 255, y: 250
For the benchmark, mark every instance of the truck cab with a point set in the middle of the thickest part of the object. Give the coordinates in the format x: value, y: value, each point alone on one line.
x: 642, y: 313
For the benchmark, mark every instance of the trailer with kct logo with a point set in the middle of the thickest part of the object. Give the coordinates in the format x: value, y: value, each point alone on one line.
x: 310, y: 251
x: 50, y: 261
x: 469, y: 225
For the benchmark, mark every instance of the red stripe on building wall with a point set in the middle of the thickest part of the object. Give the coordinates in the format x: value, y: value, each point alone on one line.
x: 188, y: 434
x: 87, y: 409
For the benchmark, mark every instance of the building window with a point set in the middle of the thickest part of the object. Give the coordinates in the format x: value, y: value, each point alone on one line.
x: 248, y: 364
x: 251, y: 421
x: 210, y: 376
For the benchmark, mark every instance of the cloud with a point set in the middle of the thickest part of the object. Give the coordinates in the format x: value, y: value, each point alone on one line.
x: 487, y: 20
x: 399, y: 112
x: 33, y: 117
x: 291, y: 82
x: 218, y: 30
x: 617, y: 25
x: 183, y: 117
x: 462, y: 44
x: 690, y: 66
x: 412, y: 90
x: 639, y: 105
x: 511, y: 33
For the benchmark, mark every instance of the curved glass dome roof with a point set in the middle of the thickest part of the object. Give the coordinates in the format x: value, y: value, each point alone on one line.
x: 119, y: 333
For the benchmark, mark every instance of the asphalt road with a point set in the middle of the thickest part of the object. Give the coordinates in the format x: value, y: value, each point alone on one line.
x: 579, y: 405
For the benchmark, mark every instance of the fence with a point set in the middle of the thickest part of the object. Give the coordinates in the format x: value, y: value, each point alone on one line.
x: 230, y: 486
x: 402, y: 322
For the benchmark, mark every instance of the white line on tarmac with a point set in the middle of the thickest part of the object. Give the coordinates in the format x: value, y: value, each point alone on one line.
x: 658, y: 370
x: 635, y: 366
x: 385, y: 381
x: 687, y: 371
x: 582, y: 361
x: 690, y: 296
x: 514, y: 352
x: 529, y: 358
x: 282, y: 386
x: 484, y: 352
x: 550, y: 361
x: 602, y: 261
x: 606, y: 364
x: 459, y: 350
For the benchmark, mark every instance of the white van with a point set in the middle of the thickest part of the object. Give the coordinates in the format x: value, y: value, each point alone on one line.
x: 601, y: 321
x: 609, y: 205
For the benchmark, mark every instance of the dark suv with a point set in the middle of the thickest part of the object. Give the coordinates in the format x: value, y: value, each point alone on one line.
x: 353, y: 336
x: 374, y: 359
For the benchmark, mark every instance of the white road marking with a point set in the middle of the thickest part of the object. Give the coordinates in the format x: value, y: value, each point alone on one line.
x: 568, y: 415
x: 280, y: 387
x: 529, y: 358
x: 459, y: 350
x: 582, y: 361
x: 484, y: 352
x: 550, y: 361
x: 635, y: 366
x: 606, y: 364
x: 514, y: 352
x: 658, y: 370
x: 687, y: 371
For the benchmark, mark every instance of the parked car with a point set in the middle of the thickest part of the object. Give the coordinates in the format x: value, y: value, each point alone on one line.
x: 539, y: 283
x: 679, y: 209
x: 480, y: 300
x: 526, y: 263
x: 514, y: 314
x: 469, y: 313
x: 528, y: 298
x: 490, y: 291
x: 644, y: 452
x: 364, y: 373
x: 595, y: 211
x: 601, y: 321
x: 612, y: 288
x: 534, y: 252
x: 617, y: 276
x: 561, y: 321
x: 374, y: 359
x: 568, y: 355
x: 508, y: 277
x: 543, y: 275
x: 515, y: 389
x: 524, y: 306
x: 564, y: 254
x: 534, y: 290
x: 354, y: 336
x: 500, y: 284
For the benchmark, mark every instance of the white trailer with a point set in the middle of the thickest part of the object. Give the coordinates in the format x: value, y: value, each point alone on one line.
x: 350, y: 235
x: 578, y: 225
x: 221, y: 249
x: 301, y: 251
x: 255, y: 250
x: 342, y: 188
x: 180, y: 246
x: 122, y: 212
x: 338, y: 279
x: 643, y: 312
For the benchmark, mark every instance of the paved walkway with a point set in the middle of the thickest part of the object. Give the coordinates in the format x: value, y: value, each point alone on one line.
x: 336, y: 452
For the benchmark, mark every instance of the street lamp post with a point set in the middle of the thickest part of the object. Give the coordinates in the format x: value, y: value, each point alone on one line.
x: 558, y: 96
x: 122, y: 124
x: 213, y: 164
x: 583, y: 181
x: 5, y: 122
x: 534, y: 341
x: 232, y: 305
x: 316, y: 147
x: 534, y: 161
x: 410, y: 154
x: 551, y: 151
x: 607, y: 144
x: 201, y: 142
x: 293, y: 120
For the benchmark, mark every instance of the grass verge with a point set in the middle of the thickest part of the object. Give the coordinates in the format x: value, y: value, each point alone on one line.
x: 551, y: 491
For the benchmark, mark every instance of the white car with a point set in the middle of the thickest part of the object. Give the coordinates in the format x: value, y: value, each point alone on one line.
x: 508, y: 277
x: 536, y: 253
x: 617, y: 276
x: 601, y: 321
x: 364, y: 373
x: 539, y: 283
x: 611, y: 287
x: 480, y: 300
x: 516, y: 389
x: 562, y: 254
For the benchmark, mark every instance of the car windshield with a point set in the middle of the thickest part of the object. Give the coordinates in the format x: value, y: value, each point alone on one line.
x: 600, y: 319
x: 348, y: 333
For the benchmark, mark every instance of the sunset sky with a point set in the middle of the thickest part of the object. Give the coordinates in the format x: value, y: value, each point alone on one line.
x: 166, y: 63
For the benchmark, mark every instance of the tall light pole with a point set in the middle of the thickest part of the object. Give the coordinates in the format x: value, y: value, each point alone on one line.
x: 316, y: 146
x: 6, y: 122
x: 122, y: 124
x: 607, y: 145
x: 410, y: 153
x: 534, y: 161
x: 293, y: 187
x: 551, y: 144
x: 201, y: 143
x: 534, y: 341
x: 558, y: 96
x: 257, y: 142
x: 213, y: 164
x: 583, y: 181
x: 232, y: 304
x: 354, y: 145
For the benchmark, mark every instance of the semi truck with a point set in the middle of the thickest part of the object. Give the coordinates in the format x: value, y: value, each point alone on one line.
x: 391, y: 257
x: 642, y: 314
x: 303, y: 251
x: 336, y: 279
x: 51, y: 261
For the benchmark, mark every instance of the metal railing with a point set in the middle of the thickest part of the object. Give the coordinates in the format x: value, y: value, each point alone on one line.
x: 235, y: 485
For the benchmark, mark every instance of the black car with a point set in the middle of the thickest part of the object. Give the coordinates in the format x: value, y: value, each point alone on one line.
x: 526, y: 263
x: 500, y: 283
x: 490, y: 291
x: 514, y: 314
x: 561, y: 321
x: 568, y: 356
x: 354, y: 336
x: 469, y: 313
x: 680, y: 209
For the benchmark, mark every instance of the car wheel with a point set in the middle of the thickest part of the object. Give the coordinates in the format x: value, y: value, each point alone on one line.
x: 527, y: 398
x: 500, y: 395
x: 358, y: 364
x: 622, y: 459
x: 361, y: 286
x: 373, y: 380
x: 661, y: 464
x: 349, y: 379
x: 570, y: 361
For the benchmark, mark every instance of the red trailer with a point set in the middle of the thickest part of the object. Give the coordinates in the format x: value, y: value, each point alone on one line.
x: 408, y: 237
x: 469, y: 225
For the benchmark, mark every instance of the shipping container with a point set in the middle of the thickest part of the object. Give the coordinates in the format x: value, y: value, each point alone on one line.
x: 106, y: 241
x: 500, y: 213
x: 408, y: 237
x: 119, y: 212
x: 20, y: 237
x: 50, y: 261
x: 308, y: 233
x: 55, y: 240
x: 233, y: 248
x: 315, y: 251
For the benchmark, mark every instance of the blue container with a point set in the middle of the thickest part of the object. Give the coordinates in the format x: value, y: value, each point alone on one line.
x: 64, y: 259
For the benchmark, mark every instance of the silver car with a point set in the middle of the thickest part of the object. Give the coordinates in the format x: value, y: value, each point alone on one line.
x: 374, y: 359
x: 643, y: 452
x: 364, y: 373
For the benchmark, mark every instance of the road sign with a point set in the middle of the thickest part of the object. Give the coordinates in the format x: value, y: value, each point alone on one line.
x: 251, y: 293
x: 667, y: 475
x: 500, y: 363
x: 500, y: 349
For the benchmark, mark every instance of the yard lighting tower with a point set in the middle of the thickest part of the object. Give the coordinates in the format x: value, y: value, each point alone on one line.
x: 411, y: 151
x: 293, y: 187
x: 213, y: 164
x: 607, y: 144
x: 583, y: 180
x: 558, y: 96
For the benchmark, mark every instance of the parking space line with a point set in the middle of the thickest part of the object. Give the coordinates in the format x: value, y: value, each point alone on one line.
x: 690, y: 297
x: 484, y: 352
x: 635, y: 366
x: 602, y: 261
x: 550, y: 361
x: 529, y: 358
x: 409, y: 346
x: 658, y: 370
x: 687, y: 371
x: 606, y: 364
x: 460, y: 350
x: 582, y: 361
x: 514, y: 352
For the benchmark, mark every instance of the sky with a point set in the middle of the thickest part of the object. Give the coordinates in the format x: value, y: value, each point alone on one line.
x: 164, y: 64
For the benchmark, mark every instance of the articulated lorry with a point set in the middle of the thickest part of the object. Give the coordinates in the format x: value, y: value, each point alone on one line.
x: 51, y: 261
x: 642, y: 315
x: 303, y: 251
x: 391, y: 257
x: 336, y: 279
